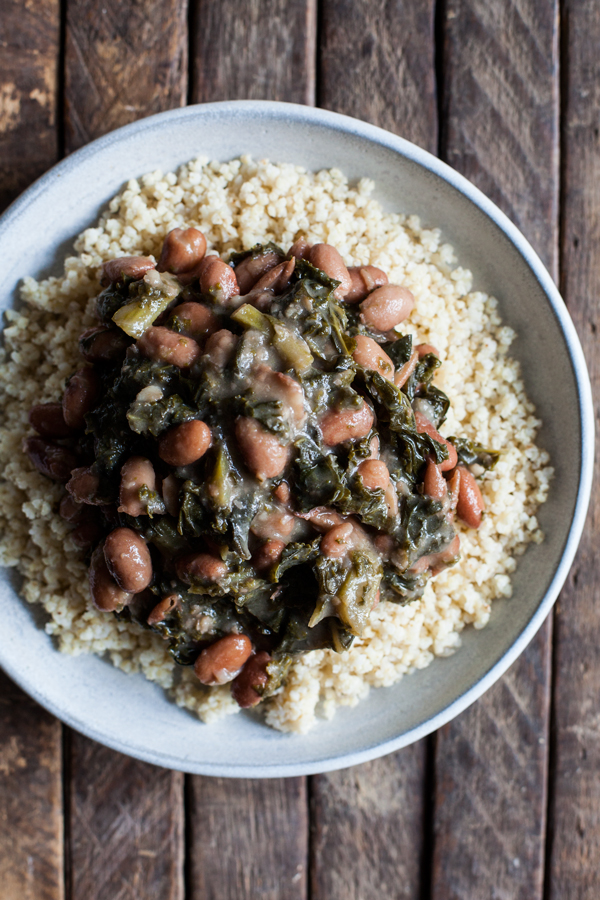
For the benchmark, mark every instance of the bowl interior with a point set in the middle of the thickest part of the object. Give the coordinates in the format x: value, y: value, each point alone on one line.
x: 135, y: 716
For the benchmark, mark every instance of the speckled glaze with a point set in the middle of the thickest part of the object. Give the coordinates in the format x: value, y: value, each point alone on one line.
x: 134, y: 716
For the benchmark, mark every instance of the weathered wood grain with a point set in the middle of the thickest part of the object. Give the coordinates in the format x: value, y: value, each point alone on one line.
x: 259, y: 50
x: 500, y: 109
x: 500, y: 129
x: 29, y: 56
x: 247, y: 839
x: 376, y: 62
x: 125, y: 824
x: 123, y: 61
x: 491, y: 782
x: 31, y: 822
x: 367, y: 829
x: 125, y: 830
x: 31, y: 814
x: 574, y: 847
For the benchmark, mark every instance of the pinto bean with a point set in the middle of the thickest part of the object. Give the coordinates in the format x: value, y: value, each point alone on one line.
x: 276, y: 523
x: 219, y: 347
x: 163, y: 608
x: 200, y: 567
x: 263, y: 452
x: 364, y: 279
x: 215, y: 277
x: 128, y: 559
x: 252, y: 268
x: 268, y: 554
x: 300, y: 249
x: 88, y: 530
x: 386, y: 307
x: 339, y: 425
x: 470, y: 504
x: 454, y: 488
x: 434, y: 483
x: 369, y: 354
x: 101, y: 344
x: 182, y: 249
x: 125, y: 267
x: 83, y: 486
x: 81, y: 393
x: 424, y: 349
x: 170, y: 495
x: 403, y: 374
x: 194, y: 320
x: 48, y: 420
x: 276, y: 279
x: 136, y: 473
x: 51, y: 460
x: 437, y: 561
x: 338, y: 541
x: 327, y: 258
x: 391, y: 499
x: 163, y: 345
x: 70, y: 510
x: 107, y: 596
x: 424, y: 426
x: 440, y: 561
x: 185, y: 443
x: 374, y: 473
x: 223, y: 660
x: 322, y: 518
x: 271, y: 385
x: 282, y: 492
x: 252, y: 679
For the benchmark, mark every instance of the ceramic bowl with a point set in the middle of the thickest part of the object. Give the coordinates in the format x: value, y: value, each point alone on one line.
x: 134, y: 716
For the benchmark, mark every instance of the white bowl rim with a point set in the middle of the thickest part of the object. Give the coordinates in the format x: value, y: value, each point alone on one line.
x: 338, y: 122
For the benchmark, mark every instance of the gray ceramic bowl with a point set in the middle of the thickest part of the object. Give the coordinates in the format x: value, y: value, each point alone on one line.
x: 135, y: 717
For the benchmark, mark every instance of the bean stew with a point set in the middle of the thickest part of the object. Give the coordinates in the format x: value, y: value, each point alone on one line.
x: 252, y: 457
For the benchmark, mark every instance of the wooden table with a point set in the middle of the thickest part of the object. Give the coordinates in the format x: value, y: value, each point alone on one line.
x: 504, y: 802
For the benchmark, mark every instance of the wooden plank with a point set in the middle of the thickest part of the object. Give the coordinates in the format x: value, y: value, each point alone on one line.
x: 31, y: 822
x: 500, y: 128
x: 574, y: 850
x: 248, y: 839
x: 29, y: 40
x: 260, y: 50
x: 31, y: 815
x: 367, y: 829
x: 125, y: 837
x: 123, y: 62
x: 499, y: 100
x: 125, y: 826
x: 377, y: 62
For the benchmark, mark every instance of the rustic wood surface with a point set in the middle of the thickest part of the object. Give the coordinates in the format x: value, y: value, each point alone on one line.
x: 29, y: 96
x: 370, y: 830
x: 500, y: 62
x: 247, y: 838
x: 123, y: 61
x: 394, y: 86
x: 125, y: 824
x: 257, y: 50
x: 31, y: 787
x: 31, y: 807
x: 574, y: 843
x: 472, y: 812
x: 377, y: 62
